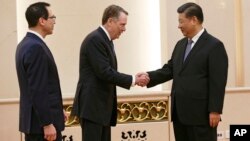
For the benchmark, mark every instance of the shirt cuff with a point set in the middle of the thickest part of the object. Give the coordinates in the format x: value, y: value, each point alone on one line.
x: 133, y: 81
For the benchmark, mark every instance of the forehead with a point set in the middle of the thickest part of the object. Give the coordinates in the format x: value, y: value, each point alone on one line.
x: 122, y: 17
x: 182, y: 16
x: 49, y: 10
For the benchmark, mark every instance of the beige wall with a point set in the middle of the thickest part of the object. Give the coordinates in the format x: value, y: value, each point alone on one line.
x: 146, y: 45
x: 8, y: 40
x: 75, y: 19
x: 246, y: 41
x: 9, y: 120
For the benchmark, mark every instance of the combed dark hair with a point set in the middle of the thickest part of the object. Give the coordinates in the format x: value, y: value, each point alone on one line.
x: 191, y: 9
x: 112, y: 11
x: 36, y: 11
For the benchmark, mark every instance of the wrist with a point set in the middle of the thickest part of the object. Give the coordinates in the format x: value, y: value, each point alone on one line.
x: 46, y: 126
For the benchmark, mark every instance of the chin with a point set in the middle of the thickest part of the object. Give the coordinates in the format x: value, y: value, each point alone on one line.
x: 184, y: 34
x: 50, y: 33
x: 118, y: 36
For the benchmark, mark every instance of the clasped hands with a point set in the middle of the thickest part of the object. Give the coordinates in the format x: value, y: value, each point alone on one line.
x: 142, y: 79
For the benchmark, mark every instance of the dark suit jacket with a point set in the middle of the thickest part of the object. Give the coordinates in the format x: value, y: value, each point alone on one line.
x: 96, y: 98
x: 40, y: 92
x: 199, y: 83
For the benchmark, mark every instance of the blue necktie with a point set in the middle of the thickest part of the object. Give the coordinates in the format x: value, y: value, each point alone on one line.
x: 188, y: 49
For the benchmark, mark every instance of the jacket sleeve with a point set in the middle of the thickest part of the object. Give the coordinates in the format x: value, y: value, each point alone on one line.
x: 161, y: 75
x: 99, y: 60
x: 36, y: 64
x: 218, y: 69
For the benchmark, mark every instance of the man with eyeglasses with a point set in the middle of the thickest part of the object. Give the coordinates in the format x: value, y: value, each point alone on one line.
x: 41, y: 110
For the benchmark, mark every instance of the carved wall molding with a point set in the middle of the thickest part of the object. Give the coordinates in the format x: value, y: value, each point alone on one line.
x: 140, y: 107
x: 132, y: 112
x: 142, y: 111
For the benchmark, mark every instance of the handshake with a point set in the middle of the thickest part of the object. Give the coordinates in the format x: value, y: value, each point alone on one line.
x: 142, y: 79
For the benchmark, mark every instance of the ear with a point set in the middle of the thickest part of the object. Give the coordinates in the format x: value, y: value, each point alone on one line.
x: 41, y: 21
x: 110, y: 20
x: 195, y: 20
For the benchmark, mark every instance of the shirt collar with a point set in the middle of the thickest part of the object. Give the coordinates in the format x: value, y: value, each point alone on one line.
x: 37, y: 34
x: 105, y: 32
x: 197, y: 36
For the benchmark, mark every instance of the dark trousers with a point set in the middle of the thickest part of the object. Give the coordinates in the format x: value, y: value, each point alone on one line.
x: 40, y: 137
x: 94, y: 132
x: 194, y: 132
x: 184, y: 132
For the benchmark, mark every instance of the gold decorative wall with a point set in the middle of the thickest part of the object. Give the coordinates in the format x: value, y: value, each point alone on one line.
x: 142, y: 111
x: 72, y: 120
x: 136, y: 110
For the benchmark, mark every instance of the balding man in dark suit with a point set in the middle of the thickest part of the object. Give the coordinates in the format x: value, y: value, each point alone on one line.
x: 96, y: 99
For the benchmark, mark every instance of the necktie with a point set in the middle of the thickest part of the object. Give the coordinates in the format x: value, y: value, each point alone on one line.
x: 113, y: 51
x: 112, y: 47
x: 188, y: 49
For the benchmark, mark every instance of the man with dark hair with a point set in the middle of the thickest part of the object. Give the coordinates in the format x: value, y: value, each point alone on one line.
x: 41, y: 110
x: 96, y: 99
x: 198, y: 67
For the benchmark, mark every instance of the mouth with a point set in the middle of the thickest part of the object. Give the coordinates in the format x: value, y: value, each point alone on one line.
x: 119, y: 34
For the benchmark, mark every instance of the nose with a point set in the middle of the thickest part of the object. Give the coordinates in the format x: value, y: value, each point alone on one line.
x: 54, y: 21
x: 179, y: 25
x: 124, y: 29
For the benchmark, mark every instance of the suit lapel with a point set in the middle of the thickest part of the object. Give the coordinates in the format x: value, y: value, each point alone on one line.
x: 199, y: 44
x: 44, y: 46
x: 46, y: 50
x: 110, y: 48
x: 182, y: 53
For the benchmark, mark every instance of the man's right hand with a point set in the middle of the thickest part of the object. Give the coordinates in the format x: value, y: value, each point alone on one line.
x: 142, y: 79
x: 49, y: 132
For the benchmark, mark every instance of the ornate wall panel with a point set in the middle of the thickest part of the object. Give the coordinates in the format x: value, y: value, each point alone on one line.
x: 135, y: 110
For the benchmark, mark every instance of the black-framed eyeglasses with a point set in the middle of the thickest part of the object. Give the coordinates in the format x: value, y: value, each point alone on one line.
x: 52, y: 17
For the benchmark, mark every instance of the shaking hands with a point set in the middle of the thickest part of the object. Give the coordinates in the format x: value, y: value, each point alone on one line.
x: 142, y: 79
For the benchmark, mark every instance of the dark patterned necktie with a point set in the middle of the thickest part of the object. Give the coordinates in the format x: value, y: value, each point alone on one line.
x: 113, y: 51
x: 112, y: 47
x: 188, y: 49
